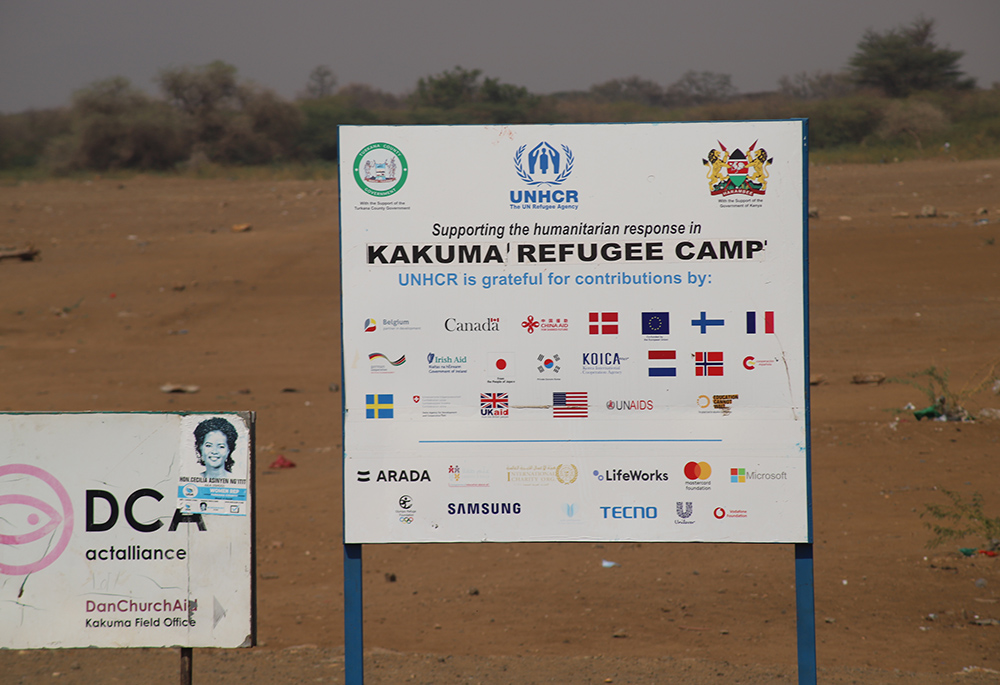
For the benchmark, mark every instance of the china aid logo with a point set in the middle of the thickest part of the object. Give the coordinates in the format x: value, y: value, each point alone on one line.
x: 38, y: 530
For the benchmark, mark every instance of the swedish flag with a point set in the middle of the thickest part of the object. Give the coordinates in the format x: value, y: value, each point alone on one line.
x: 378, y: 406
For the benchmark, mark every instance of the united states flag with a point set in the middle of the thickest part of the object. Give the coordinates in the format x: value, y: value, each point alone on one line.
x: 569, y: 405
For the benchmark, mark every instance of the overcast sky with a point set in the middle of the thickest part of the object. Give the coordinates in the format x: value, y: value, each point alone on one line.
x: 50, y: 48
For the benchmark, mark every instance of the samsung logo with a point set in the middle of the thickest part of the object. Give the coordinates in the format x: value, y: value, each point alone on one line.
x: 484, y: 508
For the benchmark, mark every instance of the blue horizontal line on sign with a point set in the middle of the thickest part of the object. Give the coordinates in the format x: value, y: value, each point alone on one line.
x: 664, y: 440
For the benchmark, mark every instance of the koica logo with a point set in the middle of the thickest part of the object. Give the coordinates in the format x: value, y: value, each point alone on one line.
x: 631, y: 475
x: 602, y: 362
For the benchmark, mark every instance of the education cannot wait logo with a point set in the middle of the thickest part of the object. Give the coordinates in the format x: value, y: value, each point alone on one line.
x: 737, y: 172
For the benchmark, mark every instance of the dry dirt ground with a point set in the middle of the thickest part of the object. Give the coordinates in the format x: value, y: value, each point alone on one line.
x: 142, y: 282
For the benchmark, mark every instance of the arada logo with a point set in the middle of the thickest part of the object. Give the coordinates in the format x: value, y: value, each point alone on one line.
x: 545, y: 164
x: 25, y: 488
x: 738, y: 172
x: 380, y: 169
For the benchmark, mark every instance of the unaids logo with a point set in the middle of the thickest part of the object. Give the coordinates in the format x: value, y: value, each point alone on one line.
x: 380, y: 169
x: 737, y: 172
x: 37, y: 519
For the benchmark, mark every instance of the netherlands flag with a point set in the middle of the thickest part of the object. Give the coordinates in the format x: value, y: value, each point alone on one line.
x: 659, y: 356
x: 752, y: 321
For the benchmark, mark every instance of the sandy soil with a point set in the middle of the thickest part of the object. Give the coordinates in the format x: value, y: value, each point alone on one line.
x: 142, y: 282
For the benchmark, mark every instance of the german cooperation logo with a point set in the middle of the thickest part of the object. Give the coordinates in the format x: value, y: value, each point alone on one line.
x: 27, y: 491
x: 380, y: 169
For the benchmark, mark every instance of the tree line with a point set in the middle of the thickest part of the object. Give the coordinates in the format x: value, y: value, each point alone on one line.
x: 899, y: 88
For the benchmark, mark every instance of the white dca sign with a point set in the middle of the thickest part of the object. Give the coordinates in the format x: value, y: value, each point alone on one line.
x: 126, y: 530
x: 588, y: 332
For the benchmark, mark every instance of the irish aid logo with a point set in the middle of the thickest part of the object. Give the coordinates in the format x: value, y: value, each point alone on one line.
x: 37, y: 519
x: 697, y: 470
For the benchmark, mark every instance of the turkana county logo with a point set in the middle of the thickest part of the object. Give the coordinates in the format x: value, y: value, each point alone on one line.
x: 737, y: 172
x: 380, y: 169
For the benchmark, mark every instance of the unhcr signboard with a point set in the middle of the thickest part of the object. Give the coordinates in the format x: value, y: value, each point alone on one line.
x: 586, y: 332
x: 126, y: 530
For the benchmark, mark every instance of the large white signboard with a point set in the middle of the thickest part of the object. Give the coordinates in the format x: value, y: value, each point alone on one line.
x: 587, y: 332
x: 126, y: 530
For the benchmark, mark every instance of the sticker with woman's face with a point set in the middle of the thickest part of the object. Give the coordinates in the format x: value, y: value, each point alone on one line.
x: 215, y: 454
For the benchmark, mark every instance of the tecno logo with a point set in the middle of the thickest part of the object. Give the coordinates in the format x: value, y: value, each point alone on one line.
x: 697, y: 470
x: 629, y: 512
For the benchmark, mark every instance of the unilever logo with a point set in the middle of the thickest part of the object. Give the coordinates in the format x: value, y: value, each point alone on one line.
x: 545, y: 164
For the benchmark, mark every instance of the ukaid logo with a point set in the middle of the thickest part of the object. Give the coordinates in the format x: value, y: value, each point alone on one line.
x: 493, y: 404
x: 544, y: 168
x: 450, y: 364
x: 606, y: 363
x: 380, y: 170
x: 738, y: 173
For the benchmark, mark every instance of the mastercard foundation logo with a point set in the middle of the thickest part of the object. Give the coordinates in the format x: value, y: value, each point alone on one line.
x: 697, y: 470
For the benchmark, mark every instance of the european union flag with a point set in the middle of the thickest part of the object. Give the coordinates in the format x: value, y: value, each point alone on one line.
x: 656, y: 323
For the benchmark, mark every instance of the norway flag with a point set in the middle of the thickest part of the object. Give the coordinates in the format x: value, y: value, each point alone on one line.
x: 708, y: 364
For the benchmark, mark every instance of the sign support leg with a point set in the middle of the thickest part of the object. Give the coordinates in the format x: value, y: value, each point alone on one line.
x: 187, y: 657
x: 805, y: 608
x: 354, y: 668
